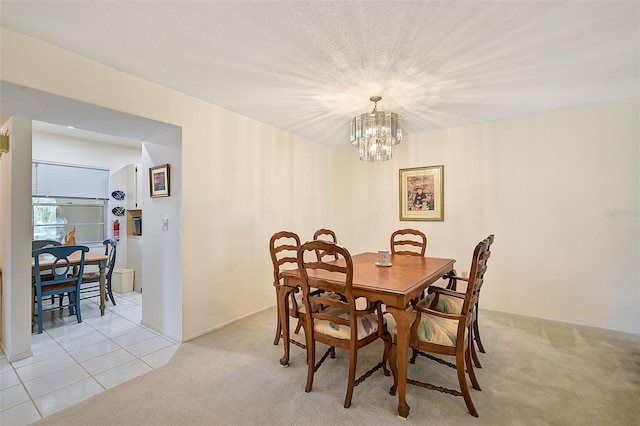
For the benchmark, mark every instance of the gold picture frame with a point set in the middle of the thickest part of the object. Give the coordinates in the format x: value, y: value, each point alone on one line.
x: 159, y: 184
x: 422, y: 193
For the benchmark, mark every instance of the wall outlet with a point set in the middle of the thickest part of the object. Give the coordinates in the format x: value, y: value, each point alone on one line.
x: 465, y: 274
x: 164, y: 224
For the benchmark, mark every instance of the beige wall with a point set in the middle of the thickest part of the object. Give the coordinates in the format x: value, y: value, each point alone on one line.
x: 241, y: 182
x: 546, y: 185
x: 559, y: 190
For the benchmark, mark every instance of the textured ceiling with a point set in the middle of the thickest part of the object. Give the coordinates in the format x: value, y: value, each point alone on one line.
x: 308, y: 67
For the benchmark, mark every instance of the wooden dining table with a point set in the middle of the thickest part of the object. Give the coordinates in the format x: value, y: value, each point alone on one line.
x: 98, y: 259
x: 395, y: 286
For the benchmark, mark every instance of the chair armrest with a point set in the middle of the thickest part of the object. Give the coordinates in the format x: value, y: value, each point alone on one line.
x: 453, y: 276
x: 446, y: 292
x: 453, y: 279
x: 420, y: 309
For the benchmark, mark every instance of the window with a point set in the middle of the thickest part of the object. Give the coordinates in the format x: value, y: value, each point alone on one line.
x: 67, y: 196
x: 53, y: 218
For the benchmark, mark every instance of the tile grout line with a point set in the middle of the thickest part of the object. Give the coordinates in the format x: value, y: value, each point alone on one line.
x: 67, y: 352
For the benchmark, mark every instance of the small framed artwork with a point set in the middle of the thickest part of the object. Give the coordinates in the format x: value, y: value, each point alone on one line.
x: 422, y: 193
x: 159, y: 181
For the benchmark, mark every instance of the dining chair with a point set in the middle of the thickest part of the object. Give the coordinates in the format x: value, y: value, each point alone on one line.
x: 91, y: 280
x: 38, y: 244
x: 433, y: 331
x: 340, y: 323
x: 59, y: 281
x: 408, y: 242
x: 325, y: 235
x: 453, y: 304
x: 283, y: 247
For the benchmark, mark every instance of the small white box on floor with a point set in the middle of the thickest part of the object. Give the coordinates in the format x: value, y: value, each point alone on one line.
x: 122, y: 280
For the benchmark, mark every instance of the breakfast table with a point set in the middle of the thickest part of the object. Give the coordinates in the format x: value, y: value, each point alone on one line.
x: 395, y: 285
x: 98, y: 259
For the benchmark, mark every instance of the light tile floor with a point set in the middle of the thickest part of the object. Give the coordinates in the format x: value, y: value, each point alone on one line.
x: 72, y: 362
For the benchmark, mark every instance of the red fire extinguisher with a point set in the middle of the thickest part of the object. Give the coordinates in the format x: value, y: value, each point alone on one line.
x: 116, y: 230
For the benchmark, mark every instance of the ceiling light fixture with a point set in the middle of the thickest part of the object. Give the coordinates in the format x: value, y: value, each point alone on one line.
x: 375, y: 133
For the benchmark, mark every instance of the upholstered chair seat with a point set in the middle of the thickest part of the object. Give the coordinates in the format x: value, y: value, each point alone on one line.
x: 432, y: 329
x: 366, y: 325
x: 446, y: 304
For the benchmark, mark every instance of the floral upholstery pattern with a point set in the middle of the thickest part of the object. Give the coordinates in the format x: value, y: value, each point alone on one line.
x: 366, y: 325
x: 432, y: 329
x: 314, y: 306
x: 446, y: 304
x: 441, y: 331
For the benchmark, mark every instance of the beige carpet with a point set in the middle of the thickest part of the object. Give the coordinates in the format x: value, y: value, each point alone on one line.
x: 535, y: 373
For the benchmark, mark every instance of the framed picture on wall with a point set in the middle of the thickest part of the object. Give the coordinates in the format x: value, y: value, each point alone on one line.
x: 159, y: 181
x: 422, y: 193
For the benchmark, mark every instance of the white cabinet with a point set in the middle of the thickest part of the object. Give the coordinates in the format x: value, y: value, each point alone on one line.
x: 133, y: 196
x: 134, y: 261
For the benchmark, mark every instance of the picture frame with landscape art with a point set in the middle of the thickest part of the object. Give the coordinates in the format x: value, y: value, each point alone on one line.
x: 159, y: 181
x: 422, y: 193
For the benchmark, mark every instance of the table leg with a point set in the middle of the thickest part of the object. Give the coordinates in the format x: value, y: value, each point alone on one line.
x: 402, y: 317
x: 103, y: 285
x: 283, y: 308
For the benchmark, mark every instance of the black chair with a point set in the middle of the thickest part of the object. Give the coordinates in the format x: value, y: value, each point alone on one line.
x: 60, y: 281
x: 91, y: 280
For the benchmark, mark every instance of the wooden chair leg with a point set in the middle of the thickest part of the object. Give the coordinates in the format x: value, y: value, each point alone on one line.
x: 304, y: 327
x: 472, y: 346
x: 385, y: 355
x: 276, y: 340
x: 474, y: 355
x: 469, y: 364
x: 353, y: 361
x: 476, y: 333
x: 414, y: 355
x: 311, y: 361
x: 297, y: 330
x: 393, y: 363
x: 464, y: 387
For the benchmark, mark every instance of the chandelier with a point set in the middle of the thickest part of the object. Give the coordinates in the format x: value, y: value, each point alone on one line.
x: 375, y: 133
